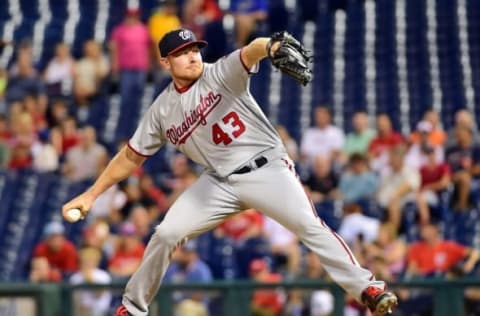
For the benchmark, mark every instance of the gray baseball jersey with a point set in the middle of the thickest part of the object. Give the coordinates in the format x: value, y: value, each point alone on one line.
x: 216, y: 122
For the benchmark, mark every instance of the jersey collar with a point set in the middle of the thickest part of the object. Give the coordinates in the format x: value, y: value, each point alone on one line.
x: 183, y: 89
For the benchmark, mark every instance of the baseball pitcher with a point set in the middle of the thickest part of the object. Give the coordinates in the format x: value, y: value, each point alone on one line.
x: 208, y: 113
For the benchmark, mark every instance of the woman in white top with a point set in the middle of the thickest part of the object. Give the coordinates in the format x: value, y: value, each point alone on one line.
x: 90, y: 302
x: 59, y: 72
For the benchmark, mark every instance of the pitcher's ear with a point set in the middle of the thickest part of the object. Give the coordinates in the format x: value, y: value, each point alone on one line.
x: 165, y: 63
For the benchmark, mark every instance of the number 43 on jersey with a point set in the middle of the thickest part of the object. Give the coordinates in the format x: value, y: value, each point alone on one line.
x: 219, y: 135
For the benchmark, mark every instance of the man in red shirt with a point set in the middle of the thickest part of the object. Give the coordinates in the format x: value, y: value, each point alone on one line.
x: 385, y: 140
x: 245, y: 225
x: 60, y: 252
x: 434, y: 255
x: 128, y: 253
x: 435, y: 177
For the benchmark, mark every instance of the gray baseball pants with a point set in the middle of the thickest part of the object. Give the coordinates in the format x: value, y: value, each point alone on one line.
x: 272, y: 189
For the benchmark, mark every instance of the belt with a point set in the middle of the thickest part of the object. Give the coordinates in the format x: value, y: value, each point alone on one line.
x: 257, y: 163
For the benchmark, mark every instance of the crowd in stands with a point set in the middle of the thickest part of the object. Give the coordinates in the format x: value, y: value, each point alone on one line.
x: 361, y: 182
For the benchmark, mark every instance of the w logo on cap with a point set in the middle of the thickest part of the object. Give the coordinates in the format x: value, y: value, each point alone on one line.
x: 185, y: 34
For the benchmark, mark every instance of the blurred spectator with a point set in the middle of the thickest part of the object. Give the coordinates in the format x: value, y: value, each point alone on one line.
x: 265, y: 302
x: 45, y: 155
x: 432, y: 255
x: 130, y: 50
x: 317, y: 302
x: 128, y: 253
x: 143, y: 224
x: 283, y: 243
x: 356, y: 225
x: 183, y: 176
x: 60, y: 252
x: 5, y: 132
x: 4, y: 136
x: 3, y: 88
x: 464, y: 161
x: 197, y: 14
x: 396, y: 185
x: 191, y: 307
x: 22, y: 140
x: 435, y: 178
x: 463, y: 118
x: 96, y: 235
x: 163, y: 20
x: 416, y: 157
x: 4, y: 155
x: 472, y: 298
x: 58, y: 75
x: 41, y: 271
x: 91, y: 302
x: 151, y: 191
x: 379, y: 268
x: 324, y: 139
x: 248, y: 14
x: 70, y: 134
x: 187, y: 267
x: 56, y: 113
x: 128, y: 198
x: 110, y: 200
x: 84, y: 161
x: 380, y: 146
x: 388, y: 247
x: 436, y: 137
x: 357, y: 181
x: 23, y: 49
x: 323, y: 180
x: 89, y: 72
x: 246, y: 224
x: 289, y: 143
x: 31, y: 105
x: 359, y: 139
x: 24, y: 80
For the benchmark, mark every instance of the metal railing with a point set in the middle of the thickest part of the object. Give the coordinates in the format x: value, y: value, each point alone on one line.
x: 57, y: 299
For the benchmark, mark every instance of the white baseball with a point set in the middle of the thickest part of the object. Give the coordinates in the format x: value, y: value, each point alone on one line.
x: 73, y: 215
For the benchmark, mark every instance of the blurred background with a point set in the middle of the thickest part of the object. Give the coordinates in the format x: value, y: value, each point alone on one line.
x: 385, y: 141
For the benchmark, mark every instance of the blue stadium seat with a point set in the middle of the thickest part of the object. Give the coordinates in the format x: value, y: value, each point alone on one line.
x: 354, y: 84
x: 329, y: 213
x: 222, y: 260
x: 370, y: 208
x: 409, y: 221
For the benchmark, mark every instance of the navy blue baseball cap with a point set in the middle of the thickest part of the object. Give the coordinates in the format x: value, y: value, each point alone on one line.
x: 176, y: 40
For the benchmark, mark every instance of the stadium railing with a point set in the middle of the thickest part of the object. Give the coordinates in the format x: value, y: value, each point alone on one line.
x: 58, y: 299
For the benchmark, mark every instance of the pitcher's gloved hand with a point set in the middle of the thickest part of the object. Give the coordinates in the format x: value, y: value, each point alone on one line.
x: 290, y: 57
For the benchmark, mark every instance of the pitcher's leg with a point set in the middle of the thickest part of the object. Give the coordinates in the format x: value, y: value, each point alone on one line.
x: 197, y: 210
x: 277, y: 193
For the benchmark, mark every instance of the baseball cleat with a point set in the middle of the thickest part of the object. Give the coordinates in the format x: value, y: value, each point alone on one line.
x: 379, y: 302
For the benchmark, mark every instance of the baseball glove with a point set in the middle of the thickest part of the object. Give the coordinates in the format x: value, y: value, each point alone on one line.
x: 290, y: 57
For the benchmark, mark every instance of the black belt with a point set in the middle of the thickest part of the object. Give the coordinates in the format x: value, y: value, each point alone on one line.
x: 259, y: 162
